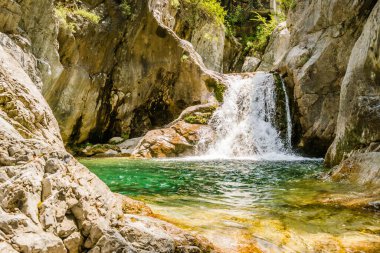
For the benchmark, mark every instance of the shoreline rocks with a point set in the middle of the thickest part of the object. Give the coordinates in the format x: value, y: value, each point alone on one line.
x: 48, y: 201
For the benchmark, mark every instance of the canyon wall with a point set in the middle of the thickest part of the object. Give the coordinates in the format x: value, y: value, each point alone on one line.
x: 48, y: 201
x: 322, y: 36
x: 110, y: 72
x: 332, y: 69
x: 358, y: 125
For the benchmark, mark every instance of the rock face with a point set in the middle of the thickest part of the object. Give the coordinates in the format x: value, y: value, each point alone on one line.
x: 322, y: 35
x: 277, y: 48
x: 358, y: 125
x: 48, y: 201
x: 107, y: 72
x: 357, y: 140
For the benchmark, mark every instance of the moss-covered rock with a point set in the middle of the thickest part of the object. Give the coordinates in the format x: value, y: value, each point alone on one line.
x: 217, y: 87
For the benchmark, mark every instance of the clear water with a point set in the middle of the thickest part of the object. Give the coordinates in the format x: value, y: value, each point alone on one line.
x: 247, y: 205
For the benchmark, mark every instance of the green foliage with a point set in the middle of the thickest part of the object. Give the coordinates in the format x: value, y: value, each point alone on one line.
x: 174, y: 3
x: 287, y: 5
x: 200, y: 118
x: 259, y: 41
x: 212, y: 8
x: 235, y: 16
x: 125, y: 135
x: 62, y: 12
x: 92, y: 17
x: 218, y: 88
x: 184, y: 58
x: 125, y: 8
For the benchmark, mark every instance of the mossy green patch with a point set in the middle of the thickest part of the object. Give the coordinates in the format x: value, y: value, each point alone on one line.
x: 125, y: 8
x: 218, y: 88
x: 92, y: 17
x: 198, y: 118
x: 62, y: 12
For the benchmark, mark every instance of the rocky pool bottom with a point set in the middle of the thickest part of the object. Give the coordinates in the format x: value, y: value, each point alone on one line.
x: 248, y: 206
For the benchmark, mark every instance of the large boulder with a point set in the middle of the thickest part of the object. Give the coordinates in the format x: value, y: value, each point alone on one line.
x: 277, y: 48
x: 180, y: 139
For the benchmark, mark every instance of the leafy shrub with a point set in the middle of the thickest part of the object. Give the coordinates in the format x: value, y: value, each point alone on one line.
x: 92, y: 17
x: 125, y: 8
x: 287, y: 5
x: 259, y: 41
x: 211, y: 7
x: 62, y: 12
x: 174, y: 3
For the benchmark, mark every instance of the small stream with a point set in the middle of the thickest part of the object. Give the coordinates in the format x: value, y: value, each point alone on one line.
x: 246, y: 205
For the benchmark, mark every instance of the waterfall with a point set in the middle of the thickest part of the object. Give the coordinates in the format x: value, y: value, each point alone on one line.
x: 289, y: 125
x: 245, y: 123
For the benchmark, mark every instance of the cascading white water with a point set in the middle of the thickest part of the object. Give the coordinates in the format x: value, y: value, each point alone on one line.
x: 245, y: 122
x: 289, y: 124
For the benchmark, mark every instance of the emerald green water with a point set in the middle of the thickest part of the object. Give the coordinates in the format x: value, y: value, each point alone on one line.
x: 245, y: 205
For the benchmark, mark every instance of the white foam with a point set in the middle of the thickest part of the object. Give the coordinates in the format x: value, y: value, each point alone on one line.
x: 245, y: 122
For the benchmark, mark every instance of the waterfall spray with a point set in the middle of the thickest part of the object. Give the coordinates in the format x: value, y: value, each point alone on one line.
x: 245, y: 122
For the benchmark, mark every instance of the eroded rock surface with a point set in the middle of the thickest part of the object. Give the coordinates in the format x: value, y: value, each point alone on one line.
x: 180, y: 139
x: 359, y: 111
x: 322, y: 36
x: 48, y: 201
x: 107, y: 72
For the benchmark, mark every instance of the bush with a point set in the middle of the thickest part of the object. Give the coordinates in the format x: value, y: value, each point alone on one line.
x: 287, y: 5
x: 259, y: 41
x: 212, y: 8
x: 174, y: 3
x: 92, y: 17
x: 125, y: 8
x: 62, y: 11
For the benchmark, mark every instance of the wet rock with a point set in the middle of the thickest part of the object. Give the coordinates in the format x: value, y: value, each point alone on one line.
x: 359, y: 168
x: 129, y: 145
x: 121, y: 90
x: 197, y: 114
